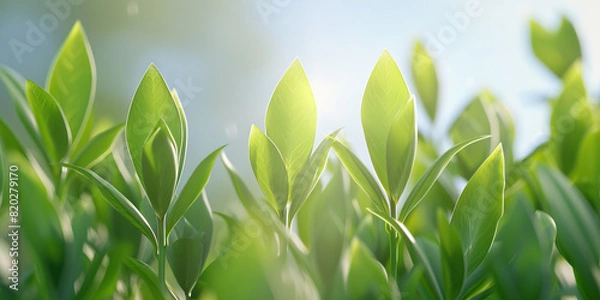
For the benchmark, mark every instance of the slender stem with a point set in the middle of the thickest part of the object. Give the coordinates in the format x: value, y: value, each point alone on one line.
x: 393, y: 245
x: 162, y: 255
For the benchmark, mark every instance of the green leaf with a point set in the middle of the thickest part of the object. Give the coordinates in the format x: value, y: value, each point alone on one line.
x: 99, y: 147
x: 72, y: 79
x: 309, y: 175
x: 192, y: 189
x: 15, y: 84
x: 586, y: 174
x: 147, y: 275
x: 242, y: 191
x: 425, y: 78
x: 152, y: 103
x: 366, y: 278
x: 118, y: 201
x: 361, y: 176
x: 479, y: 209
x: 401, y: 150
x: 50, y: 120
x: 185, y: 259
x: 453, y: 260
x: 430, y: 176
x: 557, y: 49
x: 570, y: 120
x: 159, y: 169
x: 291, y: 119
x: 385, y: 94
x: 484, y: 115
x: 578, y: 229
x: 416, y: 252
x: 192, y: 239
x: 184, y: 130
x: 269, y: 169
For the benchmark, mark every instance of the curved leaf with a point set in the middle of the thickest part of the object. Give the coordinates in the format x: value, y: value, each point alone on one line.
x: 72, y: 79
x: 431, y: 175
x: 192, y: 189
x: 50, y: 120
x: 160, y: 169
x: 361, y: 176
x: 269, y: 169
x: 291, y: 120
x: 479, y: 209
x: 118, y: 201
x: 401, y: 150
x: 99, y: 147
x: 385, y: 94
x: 152, y: 103
x: 309, y: 176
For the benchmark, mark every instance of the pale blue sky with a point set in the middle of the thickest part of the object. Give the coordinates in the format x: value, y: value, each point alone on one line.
x: 234, y: 59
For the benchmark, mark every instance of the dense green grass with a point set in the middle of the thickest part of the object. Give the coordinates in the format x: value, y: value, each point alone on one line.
x: 101, y: 222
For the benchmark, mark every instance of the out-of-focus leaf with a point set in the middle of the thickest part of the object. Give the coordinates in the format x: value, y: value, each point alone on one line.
x: 185, y: 257
x: 309, y: 175
x: 372, y: 232
x: 520, y: 259
x: 428, y: 179
x: 483, y: 116
x: 366, y: 277
x: 557, y: 49
x: 385, y: 95
x: 361, y: 176
x: 152, y: 103
x: 416, y: 252
x: 15, y: 84
x: 159, y: 169
x: 192, y: 189
x: 269, y: 169
x: 291, y: 120
x: 50, y: 120
x: 479, y: 209
x: 425, y: 78
x: 578, y: 229
x: 148, y: 276
x: 586, y: 173
x: 72, y: 80
x: 99, y: 147
x: 118, y: 201
x: 570, y: 120
x: 401, y: 150
x: 329, y: 226
x: 452, y: 257
x: 242, y: 191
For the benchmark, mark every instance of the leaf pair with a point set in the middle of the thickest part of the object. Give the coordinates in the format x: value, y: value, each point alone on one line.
x: 466, y: 240
x: 389, y: 124
x: 281, y: 159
